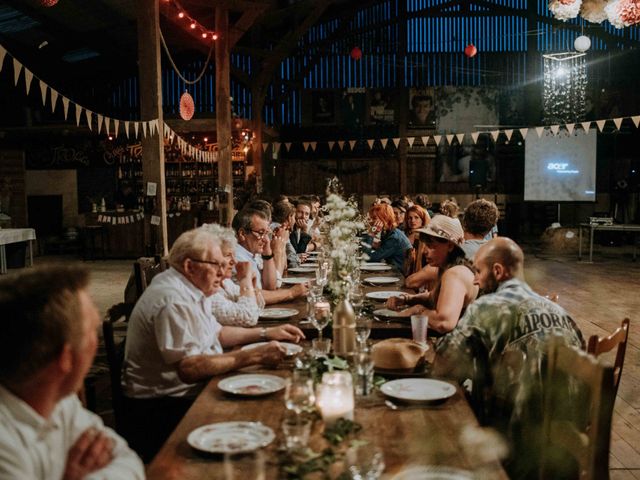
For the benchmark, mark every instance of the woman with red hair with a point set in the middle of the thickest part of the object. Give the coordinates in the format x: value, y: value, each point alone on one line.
x: 386, y: 241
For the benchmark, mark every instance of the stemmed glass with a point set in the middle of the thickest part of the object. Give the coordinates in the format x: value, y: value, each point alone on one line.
x: 363, y: 329
x: 357, y: 298
x: 322, y: 274
x: 299, y: 395
x: 321, y: 314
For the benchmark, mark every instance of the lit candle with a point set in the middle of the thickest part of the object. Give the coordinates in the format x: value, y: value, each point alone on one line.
x: 335, y: 397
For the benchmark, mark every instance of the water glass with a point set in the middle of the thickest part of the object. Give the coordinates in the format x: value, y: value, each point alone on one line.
x: 321, y: 314
x: 320, y: 347
x: 296, y: 430
x: 239, y: 466
x: 364, y: 462
x: 299, y: 394
x: 419, y: 325
x: 363, y: 329
x: 363, y: 372
x: 357, y: 298
x: 322, y: 274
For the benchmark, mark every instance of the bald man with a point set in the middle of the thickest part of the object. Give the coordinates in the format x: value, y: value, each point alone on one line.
x: 509, y: 322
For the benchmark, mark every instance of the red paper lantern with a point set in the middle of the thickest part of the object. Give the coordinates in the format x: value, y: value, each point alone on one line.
x: 187, y: 108
x: 356, y: 53
x: 48, y: 3
x: 470, y: 50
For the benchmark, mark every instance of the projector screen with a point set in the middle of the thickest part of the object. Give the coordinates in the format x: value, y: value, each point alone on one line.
x: 560, y: 168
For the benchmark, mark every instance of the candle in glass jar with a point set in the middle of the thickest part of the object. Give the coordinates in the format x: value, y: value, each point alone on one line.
x: 335, y: 397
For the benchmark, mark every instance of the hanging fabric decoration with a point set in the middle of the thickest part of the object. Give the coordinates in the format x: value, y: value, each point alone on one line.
x: 460, y: 137
x: 100, y: 119
x: 65, y: 106
x: 341, y: 144
x: 618, y: 122
x: 495, y: 134
x: 636, y: 120
x: 554, y: 129
x: 116, y: 127
x: 17, y: 68
x: 54, y: 99
x: 570, y: 127
x: 437, y: 138
x: 78, y: 114
x: 384, y: 142
x: 600, y: 124
x: 313, y: 145
x: 370, y: 143
x: 474, y: 137
x: 107, y: 125
x: 3, y: 52
x: 352, y: 144
x: 425, y: 140
x: 508, y: 133
x: 144, y: 129
x: 28, y: 78
x: 305, y: 146
x: 187, y: 107
x: 126, y: 128
x: 410, y: 141
x: 43, y: 91
x: 450, y: 138
x: 585, y: 126
x: 396, y: 141
x: 331, y: 144
x: 264, y: 147
x: 539, y: 131
x: 523, y: 132
x: 88, y: 114
x: 136, y: 126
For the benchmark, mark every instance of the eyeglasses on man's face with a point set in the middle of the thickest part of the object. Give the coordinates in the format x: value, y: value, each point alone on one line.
x: 214, y: 264
x: 261, y: 234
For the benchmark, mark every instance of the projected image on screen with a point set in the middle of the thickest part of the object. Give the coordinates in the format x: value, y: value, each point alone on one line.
x: 560, y: 168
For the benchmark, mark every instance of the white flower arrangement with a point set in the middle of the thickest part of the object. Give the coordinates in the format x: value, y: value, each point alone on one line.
x: 623, y: 13
x: 565, y: 9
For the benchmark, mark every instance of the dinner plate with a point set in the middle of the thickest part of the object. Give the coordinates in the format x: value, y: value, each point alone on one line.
x: 377, y: 264
x: 383, y: 295
x: 292, y: 348
x: 252, y: 385
x: 388, y: 313
x: 374, y: 268
x: 296, y: 280
x: 434, y: 472
x: 301, y: 270
x: 313, y: 265
x: 418, y: 390
x: 231, y: 437
x: 278, y: 313
x: 381, y: 280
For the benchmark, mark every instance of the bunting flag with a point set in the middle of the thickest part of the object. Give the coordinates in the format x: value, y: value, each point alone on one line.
x: 370, y: 143
x: 495, y: 134
x: 313, y: 145
x: 331, y: 144
x: 65, y: 104
x: 151, y: 128
x: 600, y: 124
x: 78, y: 113
x: 617, y: 122
x: 116, y: 127
x: 264, y: 147
x: 586, y: 126
x: 100, y: 119
x: 341, y: 144
x: 396, y: 141
x: 636, y: 120
x: 449, y: 138
x: 384, y: 142
x: 539, y: 131
x: 508, y: 133
x: 28, y: 78
x: 425, y: 140
x: 460, y: 137
x: 570, y: 127
x: 436, y: 138
x: 287, y: 146
x: 54, y: 100
x: 126, y: 128
x: 523, y: 132
x: 43, y: 92
x: 3, y: 52
x: 144, y: 129
x: 352, y: 143
x: 305, y: 146
x: 555, y: 129
x: 17, y: 68
x: 474, y: 137
x: 136, y: 126
x: 107, y: 125
x: 410, y: 141
x: 88, y: 115
x: 167, y: 131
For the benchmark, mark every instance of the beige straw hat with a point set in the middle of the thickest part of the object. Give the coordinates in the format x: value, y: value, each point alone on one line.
x: 445, y: 227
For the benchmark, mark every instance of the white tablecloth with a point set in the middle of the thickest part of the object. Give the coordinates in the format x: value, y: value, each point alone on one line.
x: 13, y: 235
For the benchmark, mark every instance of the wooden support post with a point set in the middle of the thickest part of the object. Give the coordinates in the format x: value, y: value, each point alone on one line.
x: 223, y: 113
x: 151, y: 108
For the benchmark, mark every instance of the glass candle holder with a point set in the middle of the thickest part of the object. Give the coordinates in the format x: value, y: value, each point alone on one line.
x: 334, y: 397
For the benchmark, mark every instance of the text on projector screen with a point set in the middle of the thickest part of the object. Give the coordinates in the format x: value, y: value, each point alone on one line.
x: 561, y: 168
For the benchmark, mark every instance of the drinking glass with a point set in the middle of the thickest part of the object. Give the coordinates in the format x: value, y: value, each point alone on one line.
x: 363, y: 372
x: 364, y: 462
x: 363, y: 329
x: 357, y: 297
x: 320, y: 347
x: 299, y: 395
x: 321, y: 314
x: 322, y: 274
x: 296, y: 430
x: 239, y: 466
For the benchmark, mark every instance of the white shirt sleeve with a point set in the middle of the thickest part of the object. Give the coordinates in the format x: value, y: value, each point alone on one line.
x: 241, y: 313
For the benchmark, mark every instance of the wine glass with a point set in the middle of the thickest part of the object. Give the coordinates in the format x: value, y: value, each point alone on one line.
x: 357, y: 297
x: 363, y: 329
x: 299, y: 394
x: 321, y: 314
x: 364, y: 462
x: 322, y: 274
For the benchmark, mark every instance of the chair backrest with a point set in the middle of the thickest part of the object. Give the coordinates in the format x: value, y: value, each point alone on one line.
x: 618, y: 339
x: 145, y: 268
x: 115, y: 356
x: 571, y: 424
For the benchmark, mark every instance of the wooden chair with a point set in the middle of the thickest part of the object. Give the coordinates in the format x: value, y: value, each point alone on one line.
x: 618, y: 339
x: 115, y: 356
x: 583, y: 429
x: 145, y: 268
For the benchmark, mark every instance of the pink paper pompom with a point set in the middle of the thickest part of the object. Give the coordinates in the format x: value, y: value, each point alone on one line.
x: 565, y: 9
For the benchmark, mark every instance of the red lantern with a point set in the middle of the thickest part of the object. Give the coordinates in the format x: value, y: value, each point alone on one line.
x: 187, y: 108
x: 470, y: 50
x: 48, y: 3
x: 356, y: 53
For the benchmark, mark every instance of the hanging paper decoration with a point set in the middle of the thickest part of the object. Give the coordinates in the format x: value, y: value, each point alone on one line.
x: 187, y: 107
x: 470, y: 50
x: 593, y: 10
x: 582, y: 43
x: 623, y: 13
x: 565, y: 9
x: 48, y: 3
x: 356, y: 53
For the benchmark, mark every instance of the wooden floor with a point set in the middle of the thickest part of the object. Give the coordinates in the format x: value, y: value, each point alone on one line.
x: 598, y: 296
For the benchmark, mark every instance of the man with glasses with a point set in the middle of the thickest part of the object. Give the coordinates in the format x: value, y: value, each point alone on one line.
x: 174, y: 344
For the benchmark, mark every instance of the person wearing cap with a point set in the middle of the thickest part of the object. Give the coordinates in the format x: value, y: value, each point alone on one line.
x: 384, y: 240
x: 453, y: 289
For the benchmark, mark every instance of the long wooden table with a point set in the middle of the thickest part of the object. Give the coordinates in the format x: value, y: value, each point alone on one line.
x: 429, y: 435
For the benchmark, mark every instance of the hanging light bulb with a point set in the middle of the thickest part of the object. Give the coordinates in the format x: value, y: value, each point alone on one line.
x: 181, y: 15
x: 214, y: 36
x: 192, y: 26
x: 204, y: 35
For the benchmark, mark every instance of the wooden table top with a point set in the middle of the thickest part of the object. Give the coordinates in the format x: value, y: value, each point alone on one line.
x: 425, y: 435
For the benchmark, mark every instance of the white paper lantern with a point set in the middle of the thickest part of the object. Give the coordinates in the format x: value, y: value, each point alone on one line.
x: 582, y: 43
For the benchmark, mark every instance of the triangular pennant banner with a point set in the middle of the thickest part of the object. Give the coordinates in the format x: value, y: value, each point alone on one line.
x: 539, y: 131
x: 305, y: 146
x: 313, y: 145
x: 126, y: 128
x: 100, y: 119
x: 370, y: 143
x: 508, y: 133
x: 341, y: 144
x: 28, y: 78
x: 523, y: 132
x: 555, y: 129
x: 116, y: 127
x: 586, y: 126
x: 570, y: 127
x: 264, y: 147
x: 144, y: 129
x: 88, y: 115
x: 425, y: 140
x: 331, y: 144
x: 474, y: 136
x: 287, y: 146
x: 618, y: 122
x: 65, y: 104
x: 43, y: 91
x: 495, y: 134
x: 449, y: 138
x: 352, y: 144
x: 276, y: 146
x: 600, y: 124
x: 636, y: 120
x: 54, y: 100
x: 136, y: 126
x: 156, y: 126
x: 410, y: 141
x: 78, y: 114
x: 437, y: 138
x: 396, y: 141
x: 460, y: 137
x: 3, y: 52
x: 17, y: 68
x: 107, y: 125
x: 384, y: 142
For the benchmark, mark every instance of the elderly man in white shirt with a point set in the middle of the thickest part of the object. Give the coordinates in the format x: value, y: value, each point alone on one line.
x: 48, y: 342
x: 174, y: 344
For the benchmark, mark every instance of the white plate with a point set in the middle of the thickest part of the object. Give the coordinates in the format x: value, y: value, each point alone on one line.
x: 313, y: 253
x: 421, y: 472
x: 252, y: 385
x: 313, y: 265
x: 296, y: 280
x: 383, y: 295
x: 231, y: 437
x: 379, y: 264
x: 374, y: 268
x: 418, y: 389
x: 278, y: 313
x: 387, y: 313
x: 381, y: 280
x: 292, y: 348
x: 301, y: 270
